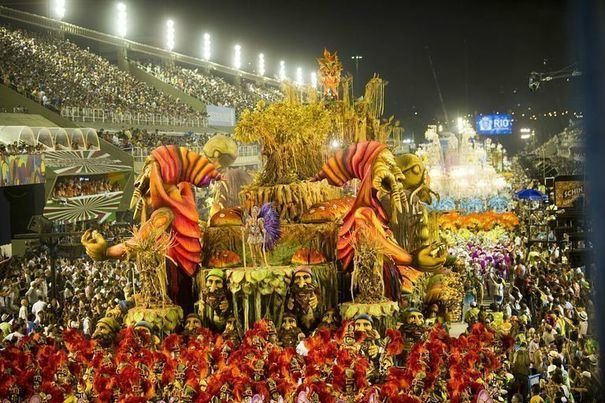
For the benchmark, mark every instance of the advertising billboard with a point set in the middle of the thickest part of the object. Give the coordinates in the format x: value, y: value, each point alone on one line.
x: 568, y: 189
x: 220, y: 115
x: 494, y: 125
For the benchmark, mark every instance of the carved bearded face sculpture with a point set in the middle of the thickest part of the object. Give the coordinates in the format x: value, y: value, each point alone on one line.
x: 329, y: 319
x: 413, y: 327
x: 192, y: 323
x: 105, y: 331
x: 215, y: 291
x: 230, y: 333
x: 415, y: 318
x: 289, y: 331
x: 303, y: 289
x: 303, y: 279
x: 364, y: 326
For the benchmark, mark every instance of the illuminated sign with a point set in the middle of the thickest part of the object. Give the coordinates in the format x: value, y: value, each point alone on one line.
x: 568, y: 189
x: 491, y: 125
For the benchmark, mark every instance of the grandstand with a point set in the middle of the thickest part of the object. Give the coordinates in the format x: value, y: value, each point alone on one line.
x: 212, y: 89
x: 561, y: 154
x: 172, y: 93
x: 77, y: 120
x: 58, y: 74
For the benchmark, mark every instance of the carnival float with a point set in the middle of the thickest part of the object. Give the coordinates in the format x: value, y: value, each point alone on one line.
x: 335, y: 228
x: 357, y: 250
x: 470, y: 175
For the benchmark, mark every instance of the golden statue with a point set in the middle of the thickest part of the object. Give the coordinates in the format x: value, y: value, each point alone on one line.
x: 330, y: 70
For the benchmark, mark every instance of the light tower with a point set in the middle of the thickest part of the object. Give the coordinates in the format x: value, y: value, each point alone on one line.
x: 206, y: 50
x: 314, y: 79
x: 282, y: 70
x: 261, y: 64
x: 121, y: 20
x: 57, y: 9
x: 237, y: 57
x: 170, y: 35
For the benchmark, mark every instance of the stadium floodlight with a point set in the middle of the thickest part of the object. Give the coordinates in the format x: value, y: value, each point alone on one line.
x: 206, y: 47
x: 261, y: 64
x: 170, y: 35
x: 461, y: 124
x: 299, y: 76
x: 237, y: 57
x: 58, y: 9
x: 121, y: 20
x: 282, y: 70
x: 314, y: 79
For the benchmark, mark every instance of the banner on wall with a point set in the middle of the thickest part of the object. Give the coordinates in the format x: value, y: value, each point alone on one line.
x: 220, y: 115
x: 26, y: 169
x: 568, y: 189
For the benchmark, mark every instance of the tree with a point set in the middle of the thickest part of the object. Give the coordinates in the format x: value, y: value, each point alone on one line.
x: 292, y: 136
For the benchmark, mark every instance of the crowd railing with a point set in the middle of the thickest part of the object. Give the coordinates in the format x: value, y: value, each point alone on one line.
x: 92, y: 115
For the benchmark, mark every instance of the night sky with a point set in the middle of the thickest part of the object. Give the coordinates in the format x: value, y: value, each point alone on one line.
x: 483, y: 51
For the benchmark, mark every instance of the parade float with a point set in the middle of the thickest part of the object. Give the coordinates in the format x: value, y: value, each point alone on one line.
x: 300, y: 217
x: 332, y: 205
x: 333, y: 229
x: 470, y: 175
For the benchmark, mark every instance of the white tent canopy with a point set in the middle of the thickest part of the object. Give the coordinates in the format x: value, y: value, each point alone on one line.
x: 44, y: 137
x: 52, y: 138
x: 12, y: 134
x: 76, y: 138
x: 60, y: 138
x: 92, y: 138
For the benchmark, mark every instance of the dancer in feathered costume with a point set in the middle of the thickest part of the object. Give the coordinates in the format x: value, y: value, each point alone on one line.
x: 261, y: 232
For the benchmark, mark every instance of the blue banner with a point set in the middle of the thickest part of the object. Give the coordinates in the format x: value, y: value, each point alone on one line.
x: 491, y: 125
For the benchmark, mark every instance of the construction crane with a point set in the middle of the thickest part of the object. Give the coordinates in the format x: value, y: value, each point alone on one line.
x: 536, y: 79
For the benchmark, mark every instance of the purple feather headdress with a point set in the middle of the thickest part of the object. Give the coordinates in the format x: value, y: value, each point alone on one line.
x: 272, y: 225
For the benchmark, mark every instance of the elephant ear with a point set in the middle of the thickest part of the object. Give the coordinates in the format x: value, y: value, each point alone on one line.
x: 236, y: 278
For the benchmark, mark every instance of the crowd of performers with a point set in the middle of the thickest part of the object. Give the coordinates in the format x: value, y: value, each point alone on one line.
x: 267, y: 364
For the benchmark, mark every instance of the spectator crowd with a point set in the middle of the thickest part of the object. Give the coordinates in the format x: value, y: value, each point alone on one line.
x: 212, y: 89
x: 129, y: 139
x: 20, y: 148
x: 529, y: 296
x: 534, y: 295
x: 61, y: 75
x: 71, y: 186
x: 57, y: 73
x: 84, y: 291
